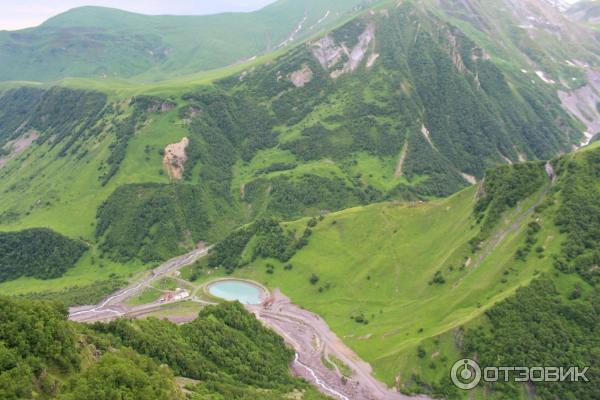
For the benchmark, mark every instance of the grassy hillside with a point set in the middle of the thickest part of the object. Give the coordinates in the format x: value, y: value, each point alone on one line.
x: 527, y: 35
x: 390, y: 276
x: 414, y: 287
x: 411, y: 112
x: 106, y: 43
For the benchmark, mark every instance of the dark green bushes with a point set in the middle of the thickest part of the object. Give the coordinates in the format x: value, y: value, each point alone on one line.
x: 504, y: 187
x: 39, y: 253
x: 34, y: 336
x: 42, y: 355
x: 152, y: 222
x: 295, y: 197
x: 268, y: 240
x: 123, y: 374
x: 537, y: 327
x: 224, y: 345
x: 57, y: 113
x: 579, y: 215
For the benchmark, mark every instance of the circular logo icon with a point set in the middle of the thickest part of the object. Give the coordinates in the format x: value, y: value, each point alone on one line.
x: 465, y: 374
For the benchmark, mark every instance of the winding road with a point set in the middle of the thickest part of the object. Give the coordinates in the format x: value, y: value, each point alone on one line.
x: 114, y: 305
x: 307, y: 333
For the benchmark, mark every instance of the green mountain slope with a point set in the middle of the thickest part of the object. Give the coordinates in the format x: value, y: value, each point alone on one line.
x: 586, y: 11
x: 414, y: 287
x: 528, y: 28
x: 398, y: 103
x: 395, y: 142
x: 101, y: 42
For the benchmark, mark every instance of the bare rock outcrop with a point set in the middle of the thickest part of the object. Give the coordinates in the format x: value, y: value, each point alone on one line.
x: 175, y: 158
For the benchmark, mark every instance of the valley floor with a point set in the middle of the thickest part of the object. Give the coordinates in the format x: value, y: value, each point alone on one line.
x: 316, y: 345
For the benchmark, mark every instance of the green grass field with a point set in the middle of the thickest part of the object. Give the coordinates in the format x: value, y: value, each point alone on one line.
x: 375, y: 263
x: 64, y: 193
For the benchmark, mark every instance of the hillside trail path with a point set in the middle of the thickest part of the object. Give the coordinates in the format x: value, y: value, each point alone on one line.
x: 499, y: 237
x: 115, y: 304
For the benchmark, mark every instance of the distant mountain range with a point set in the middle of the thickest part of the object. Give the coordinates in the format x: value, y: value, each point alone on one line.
x: 103, y: 42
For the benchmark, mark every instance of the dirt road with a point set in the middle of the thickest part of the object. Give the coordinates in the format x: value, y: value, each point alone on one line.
x: 114, y: 305
x: 307, y: 333
x: 310, y: 336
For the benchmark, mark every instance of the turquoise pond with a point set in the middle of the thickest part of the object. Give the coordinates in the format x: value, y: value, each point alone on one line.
x: 244, y: 292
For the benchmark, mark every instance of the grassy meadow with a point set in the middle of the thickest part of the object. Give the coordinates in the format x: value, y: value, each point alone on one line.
x: 376, y: 264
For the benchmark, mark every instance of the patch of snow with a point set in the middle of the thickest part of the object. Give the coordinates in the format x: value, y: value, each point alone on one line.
x: 372, y: 58
x: 469, y: 178
x: 324, y: 18
x: 582, y: 104
x: 542, y: 76
x: 292, y: 36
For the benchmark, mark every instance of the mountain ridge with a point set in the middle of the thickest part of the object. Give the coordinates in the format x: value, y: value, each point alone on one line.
x: 126, y: 45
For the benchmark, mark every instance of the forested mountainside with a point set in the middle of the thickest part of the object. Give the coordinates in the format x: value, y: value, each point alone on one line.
x: 387, y: 172
x: 224, y: 354
x: 108, y: 43
x: 403, y: 102
x: 504, y: 273
x: 39, y: 253
x: 554, y: 320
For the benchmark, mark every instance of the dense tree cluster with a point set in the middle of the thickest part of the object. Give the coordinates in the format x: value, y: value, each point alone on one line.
x: 276, y: 167
x: 267, y: 239
x: 225, y: 348
x: 229, y: 353
x: 504, y: 187
x: 34, y: 337
x: 293, y: 197
x: 150, y: 221
x: 579, y: 215
x: 39, y: 253
x: 537, y: 327
x: 123, y: 374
